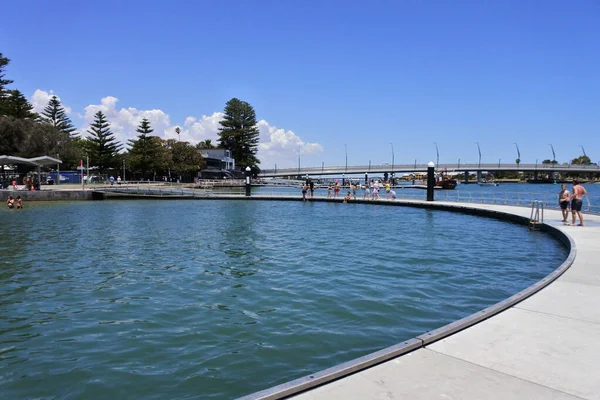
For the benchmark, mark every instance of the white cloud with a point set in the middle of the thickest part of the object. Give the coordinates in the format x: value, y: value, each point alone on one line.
x: 276, y: 146
x: 40, y: 98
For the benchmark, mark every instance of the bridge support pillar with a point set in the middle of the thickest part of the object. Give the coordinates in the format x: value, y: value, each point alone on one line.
x: 466, y: 176
x: 535, y: 175
x: 479, y: 176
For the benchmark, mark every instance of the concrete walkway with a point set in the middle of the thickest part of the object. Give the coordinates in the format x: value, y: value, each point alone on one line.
x: 546, y: 347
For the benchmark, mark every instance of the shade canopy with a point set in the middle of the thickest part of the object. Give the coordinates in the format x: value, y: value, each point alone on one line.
x: 35, y: 161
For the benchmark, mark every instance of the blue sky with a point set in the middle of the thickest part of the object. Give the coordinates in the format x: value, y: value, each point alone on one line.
x: 325, y: 75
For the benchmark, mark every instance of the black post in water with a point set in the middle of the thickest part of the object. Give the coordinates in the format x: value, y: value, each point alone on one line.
x: 248, y: 181
x: 430, y: 180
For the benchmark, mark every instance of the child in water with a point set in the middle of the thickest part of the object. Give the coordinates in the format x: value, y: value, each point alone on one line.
x: 19, y: 203
x: 10, y: 202
x: 347, y: 197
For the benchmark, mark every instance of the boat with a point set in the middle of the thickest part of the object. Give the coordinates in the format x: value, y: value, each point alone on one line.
x: 488, y: 183
x: 446, y: 183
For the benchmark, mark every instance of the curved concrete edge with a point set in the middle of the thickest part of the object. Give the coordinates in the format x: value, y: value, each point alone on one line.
x: 350, y: 367
x: 339, y: 371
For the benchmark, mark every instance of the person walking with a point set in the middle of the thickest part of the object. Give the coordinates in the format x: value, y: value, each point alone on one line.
x: 563, y: 201
x: 577, y: 201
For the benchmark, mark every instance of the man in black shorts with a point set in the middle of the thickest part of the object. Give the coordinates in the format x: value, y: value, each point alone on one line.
x: 563, y: 201
x: 312, y: 188
x: 577, y: 201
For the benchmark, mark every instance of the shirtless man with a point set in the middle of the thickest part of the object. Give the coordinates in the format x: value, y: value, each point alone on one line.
x: 563, y: 201
x: 577, y: 201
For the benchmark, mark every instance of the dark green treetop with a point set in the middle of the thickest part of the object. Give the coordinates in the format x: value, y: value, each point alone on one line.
x: 145, y: 154
x: 55, y: 114
x: 102, y: 146
x: 239, y: 134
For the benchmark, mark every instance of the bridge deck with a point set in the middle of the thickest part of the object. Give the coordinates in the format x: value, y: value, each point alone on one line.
x: 546, y: 347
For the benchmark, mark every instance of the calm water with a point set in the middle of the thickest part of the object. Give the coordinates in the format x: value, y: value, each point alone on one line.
x: 217, y: 299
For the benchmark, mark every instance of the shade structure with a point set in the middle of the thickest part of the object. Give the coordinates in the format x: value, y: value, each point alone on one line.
x: 36, y: 161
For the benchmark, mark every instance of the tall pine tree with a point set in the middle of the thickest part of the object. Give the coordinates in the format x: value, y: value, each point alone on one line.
x: 12, y: 102
x: 239, y: 133
x: 144, y: 155
x: 103, y: 148
x: 55, y: 114
x: 4, y: 61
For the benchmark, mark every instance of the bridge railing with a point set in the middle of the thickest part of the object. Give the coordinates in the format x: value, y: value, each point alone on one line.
x: 418, y: 167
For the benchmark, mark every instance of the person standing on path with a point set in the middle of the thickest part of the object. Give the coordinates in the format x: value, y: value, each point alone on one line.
x: 311, y: 185
x: 367, y: 194
x: 563, y: 201
x: 577, y: 201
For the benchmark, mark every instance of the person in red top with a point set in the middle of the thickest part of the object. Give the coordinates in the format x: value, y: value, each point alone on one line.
x: 577, y: 201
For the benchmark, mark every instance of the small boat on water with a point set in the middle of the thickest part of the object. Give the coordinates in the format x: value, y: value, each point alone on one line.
x: 446, y: 183
x: 488, y: 183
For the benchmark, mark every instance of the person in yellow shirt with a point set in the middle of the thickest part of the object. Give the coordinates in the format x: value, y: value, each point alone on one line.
x: 387, y: 190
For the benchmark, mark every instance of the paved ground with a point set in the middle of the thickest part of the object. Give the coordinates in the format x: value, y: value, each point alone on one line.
x: 546, y: 347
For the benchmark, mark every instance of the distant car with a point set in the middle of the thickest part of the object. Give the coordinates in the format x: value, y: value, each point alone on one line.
x: 49, y: 181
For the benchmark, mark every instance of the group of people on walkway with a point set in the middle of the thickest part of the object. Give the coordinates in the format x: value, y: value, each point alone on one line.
x: 370, y: 191
x: 573, y: 200
x: 14, y: 203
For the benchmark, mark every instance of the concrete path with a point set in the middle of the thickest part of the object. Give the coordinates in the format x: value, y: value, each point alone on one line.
x: 546, y: 347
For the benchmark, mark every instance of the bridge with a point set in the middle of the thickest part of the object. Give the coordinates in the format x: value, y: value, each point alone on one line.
x: 422, y: 168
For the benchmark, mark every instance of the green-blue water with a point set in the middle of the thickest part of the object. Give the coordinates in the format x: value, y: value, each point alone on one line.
x: 217, y: 299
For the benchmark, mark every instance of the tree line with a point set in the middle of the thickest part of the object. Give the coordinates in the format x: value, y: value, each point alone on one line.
x: 24, y: 133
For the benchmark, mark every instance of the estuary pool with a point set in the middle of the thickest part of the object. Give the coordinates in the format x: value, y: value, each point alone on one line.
x: 220, y: 298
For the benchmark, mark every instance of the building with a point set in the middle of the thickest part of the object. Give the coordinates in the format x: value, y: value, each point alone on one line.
x: 218, y: 159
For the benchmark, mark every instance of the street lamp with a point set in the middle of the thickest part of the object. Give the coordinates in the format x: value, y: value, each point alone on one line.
x: 479, y: 150
x: 346, y: 147
x: 437, y: 152
x: 392, y: 144
x: 553, y: 154
x: 518, y: 154
x: 582, y: 149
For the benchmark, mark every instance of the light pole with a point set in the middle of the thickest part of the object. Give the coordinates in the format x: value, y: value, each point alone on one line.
x: 479, y: 150
x: 518, y: 160
x: 553, y: 154
x: 392, y: 144
x: 346, y: 147
x: 582, y: 149
x: 437, y: 152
